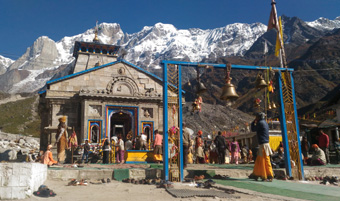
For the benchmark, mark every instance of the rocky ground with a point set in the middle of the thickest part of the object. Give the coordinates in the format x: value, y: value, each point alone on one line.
x: 214, y: 118
x: 14, y: 147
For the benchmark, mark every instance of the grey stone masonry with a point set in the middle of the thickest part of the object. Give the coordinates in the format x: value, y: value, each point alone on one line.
x: 20, y: 180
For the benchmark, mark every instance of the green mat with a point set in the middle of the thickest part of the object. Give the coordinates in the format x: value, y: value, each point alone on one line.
x: 120, y: 174
x: 287, y: 189
x: 156, y: 166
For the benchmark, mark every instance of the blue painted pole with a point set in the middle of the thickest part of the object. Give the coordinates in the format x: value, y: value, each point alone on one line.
x: 165, y: 123
x: 180, y: 120
x: 283, y: 123
x: 244, y: 67
x: 297, y: 127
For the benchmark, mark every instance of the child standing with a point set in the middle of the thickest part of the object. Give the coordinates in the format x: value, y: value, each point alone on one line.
x: 234, y: 149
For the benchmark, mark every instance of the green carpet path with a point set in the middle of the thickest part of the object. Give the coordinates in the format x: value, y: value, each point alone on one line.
x: 286, y: 188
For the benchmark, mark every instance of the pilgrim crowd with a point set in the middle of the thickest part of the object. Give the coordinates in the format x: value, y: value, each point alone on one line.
x: 196, y: 149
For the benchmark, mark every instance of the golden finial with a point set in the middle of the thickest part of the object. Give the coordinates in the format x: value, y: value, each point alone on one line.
x: 96, y: 33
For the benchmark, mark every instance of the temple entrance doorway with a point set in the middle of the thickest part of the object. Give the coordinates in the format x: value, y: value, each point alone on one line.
x: 121, y: 123
x: 95, y: 136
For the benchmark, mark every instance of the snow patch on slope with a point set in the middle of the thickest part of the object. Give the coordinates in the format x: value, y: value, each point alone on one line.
x: 31, y: 83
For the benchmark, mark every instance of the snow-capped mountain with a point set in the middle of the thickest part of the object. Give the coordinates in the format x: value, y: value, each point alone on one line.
x: 146, y: 48
x: 163, y: 41
x: 325, y: 24
x: 4, y: 64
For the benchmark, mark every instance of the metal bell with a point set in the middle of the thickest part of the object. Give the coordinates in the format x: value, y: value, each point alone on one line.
x: 189, y: 83
x: 195, y: 107
x: 273, y: 105
x: 269, y: 107
x: 228, y: 91
x: 260, y: 83
x: 201, y: 88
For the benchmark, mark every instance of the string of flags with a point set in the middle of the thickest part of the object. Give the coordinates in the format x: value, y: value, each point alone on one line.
x: 314, y: 115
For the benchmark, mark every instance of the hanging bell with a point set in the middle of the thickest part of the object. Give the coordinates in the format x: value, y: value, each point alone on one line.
x: 195, y: 106
x: 269, y: 107
x: 201, y: 88
x: 228, y: 91
x: 189, y: 83
x: 260, y: 83
x: 273, y: 105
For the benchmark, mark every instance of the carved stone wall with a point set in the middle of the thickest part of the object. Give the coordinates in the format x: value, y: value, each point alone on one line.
x: 85, y: 97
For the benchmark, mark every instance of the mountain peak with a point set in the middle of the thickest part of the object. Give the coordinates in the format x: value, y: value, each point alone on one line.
x: 325, y: 24
x: 160, y: 25
x: 4, y: 64
x: 161, y: 41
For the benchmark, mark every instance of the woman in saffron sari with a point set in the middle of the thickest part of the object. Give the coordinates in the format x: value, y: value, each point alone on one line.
x: 262, y: 167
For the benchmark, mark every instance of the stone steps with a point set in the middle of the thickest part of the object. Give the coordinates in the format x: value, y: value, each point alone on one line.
x: 153, y: 173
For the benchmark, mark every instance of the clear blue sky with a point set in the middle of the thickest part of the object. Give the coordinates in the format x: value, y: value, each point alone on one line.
x: 23, y: 21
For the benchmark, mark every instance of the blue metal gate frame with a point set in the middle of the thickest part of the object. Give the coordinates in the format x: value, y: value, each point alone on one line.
x: 242, y: 67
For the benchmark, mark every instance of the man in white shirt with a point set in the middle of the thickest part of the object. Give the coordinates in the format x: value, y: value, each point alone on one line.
x: 143, y: 139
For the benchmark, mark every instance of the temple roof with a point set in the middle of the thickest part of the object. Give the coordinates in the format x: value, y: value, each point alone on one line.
x: 112, y: 49
x: 103, y: 66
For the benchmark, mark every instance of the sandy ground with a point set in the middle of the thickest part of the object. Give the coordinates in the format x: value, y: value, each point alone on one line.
x: 129, y: 192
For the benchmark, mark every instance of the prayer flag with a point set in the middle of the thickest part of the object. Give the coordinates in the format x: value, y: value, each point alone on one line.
x: 273, y: 18
x: 279, y: 37
x: 265, y: 47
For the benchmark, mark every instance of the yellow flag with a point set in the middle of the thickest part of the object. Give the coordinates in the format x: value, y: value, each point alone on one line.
x: 278, y: 42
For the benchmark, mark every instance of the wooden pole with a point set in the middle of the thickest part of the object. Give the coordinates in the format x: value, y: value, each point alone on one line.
x: 72, y: 153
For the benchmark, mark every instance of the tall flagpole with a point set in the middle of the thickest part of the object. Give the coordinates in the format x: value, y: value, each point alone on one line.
x: 273, y: 14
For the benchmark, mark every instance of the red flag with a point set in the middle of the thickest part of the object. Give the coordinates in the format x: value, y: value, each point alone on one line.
x: 273, y: 22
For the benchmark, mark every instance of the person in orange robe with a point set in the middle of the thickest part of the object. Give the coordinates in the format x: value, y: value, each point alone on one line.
x: 48, y: 158
x: 262, y: 167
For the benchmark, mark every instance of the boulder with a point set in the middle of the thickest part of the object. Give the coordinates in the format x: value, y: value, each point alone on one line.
x: 12, y: 154
x: 22, y: 141
x: 32, y: 141
x: 12, y: 144
x: 8, y: 154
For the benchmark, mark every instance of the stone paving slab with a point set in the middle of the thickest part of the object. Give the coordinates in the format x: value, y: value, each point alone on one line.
x: 151, y: 171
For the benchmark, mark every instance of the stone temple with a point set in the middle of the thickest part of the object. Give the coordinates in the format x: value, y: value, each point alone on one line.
x: 103, y: 97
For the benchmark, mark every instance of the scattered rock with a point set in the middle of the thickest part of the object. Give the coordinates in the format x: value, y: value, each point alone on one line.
x: 22, y: 141
x: 16, y: 147
x: 12, y: 155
